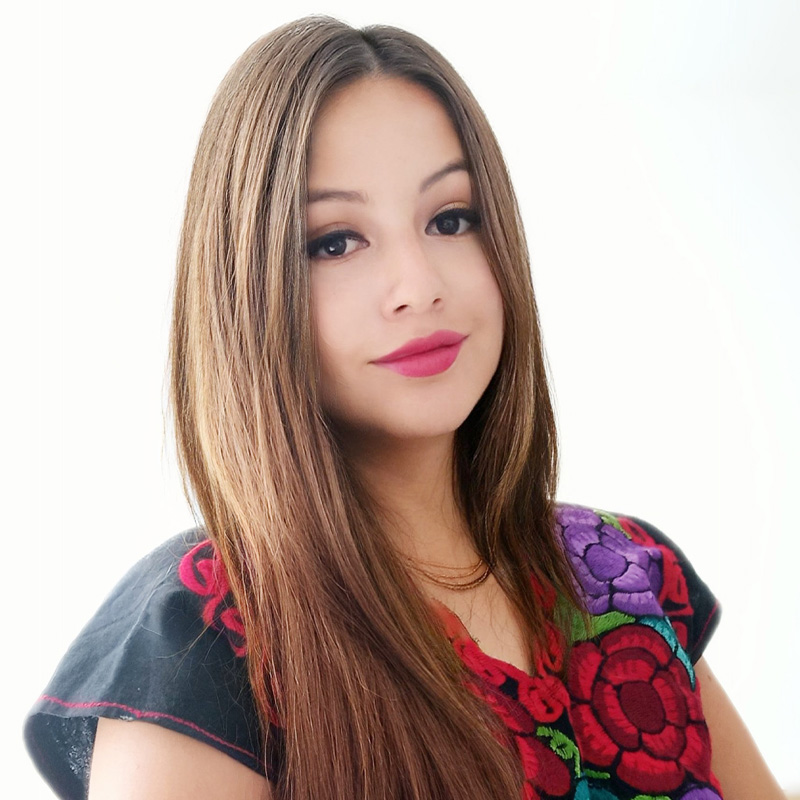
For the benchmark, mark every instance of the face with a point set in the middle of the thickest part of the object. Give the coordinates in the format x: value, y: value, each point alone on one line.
x: 407, y: 312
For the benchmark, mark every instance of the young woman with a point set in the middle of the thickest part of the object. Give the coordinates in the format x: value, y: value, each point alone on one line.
x: 383, y: 600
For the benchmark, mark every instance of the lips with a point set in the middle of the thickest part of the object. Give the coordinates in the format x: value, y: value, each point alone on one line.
x: 420, y: 358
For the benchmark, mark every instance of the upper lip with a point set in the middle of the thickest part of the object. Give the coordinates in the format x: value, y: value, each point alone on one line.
x: 423, y: 345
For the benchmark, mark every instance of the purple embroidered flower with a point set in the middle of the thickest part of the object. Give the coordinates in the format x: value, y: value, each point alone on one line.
x: 700, y: 793
x: 616, y: 574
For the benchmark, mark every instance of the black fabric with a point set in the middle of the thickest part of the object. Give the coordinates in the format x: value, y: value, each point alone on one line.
x: 685, y: 597
x: 146, y: 654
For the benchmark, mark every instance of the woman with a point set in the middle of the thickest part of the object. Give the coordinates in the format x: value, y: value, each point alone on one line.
x: 383, y: 599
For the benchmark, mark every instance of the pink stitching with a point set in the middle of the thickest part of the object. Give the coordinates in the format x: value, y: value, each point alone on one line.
x: 139, y: 714
x: 710, y: 617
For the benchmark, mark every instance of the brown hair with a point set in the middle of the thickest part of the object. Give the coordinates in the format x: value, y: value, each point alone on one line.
x: 342, y: 646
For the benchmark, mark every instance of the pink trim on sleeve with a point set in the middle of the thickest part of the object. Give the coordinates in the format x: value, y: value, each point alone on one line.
x: 140, y: 714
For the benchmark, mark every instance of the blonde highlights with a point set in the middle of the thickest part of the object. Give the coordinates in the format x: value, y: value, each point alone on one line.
x: 342, y: 648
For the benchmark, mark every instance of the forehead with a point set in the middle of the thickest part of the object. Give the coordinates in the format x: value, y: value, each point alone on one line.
x: 380, y: 129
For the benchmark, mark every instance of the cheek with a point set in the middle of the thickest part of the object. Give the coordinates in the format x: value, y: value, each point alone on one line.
x: 322, y: 325
x: 493, y: 315
x: 335, y: 315
x: 488, y: 296
x: 492, y: 290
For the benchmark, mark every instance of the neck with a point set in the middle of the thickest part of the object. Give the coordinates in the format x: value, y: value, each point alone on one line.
x: 412, y: 481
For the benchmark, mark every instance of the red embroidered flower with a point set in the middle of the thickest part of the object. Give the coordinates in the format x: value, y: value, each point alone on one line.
x: 514, y: 716
x: 544, y: 696
x: 674, y: 594
x: 633, y: 704
x: 544, y: 770
x: 552, y: 659
x: 486, y: 668
x: 202, y: 572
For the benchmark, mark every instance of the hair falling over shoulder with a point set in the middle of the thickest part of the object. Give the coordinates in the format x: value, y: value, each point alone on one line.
x: 342, y: 647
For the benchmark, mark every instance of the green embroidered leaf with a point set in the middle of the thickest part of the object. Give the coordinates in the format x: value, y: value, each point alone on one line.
x: 599, y: 624
x: 562, y: 746
x: 663, y: 626
x: 592, y: 773
x: 650, y: 797
x: 613, y: 521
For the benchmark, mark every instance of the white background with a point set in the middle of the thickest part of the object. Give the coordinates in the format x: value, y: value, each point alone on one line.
x: 654, y: 148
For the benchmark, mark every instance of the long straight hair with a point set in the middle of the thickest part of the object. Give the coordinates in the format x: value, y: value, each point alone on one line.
x: 343, y: 650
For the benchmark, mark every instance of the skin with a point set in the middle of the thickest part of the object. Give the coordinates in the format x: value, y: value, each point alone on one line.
x: 390, y: 146
x: 393, y: 277
x: 143, y: 761
x: 735, y: 758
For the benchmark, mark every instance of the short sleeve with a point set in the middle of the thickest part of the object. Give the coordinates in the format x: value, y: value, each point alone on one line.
x: 686, y: 600
x: 163, y: 648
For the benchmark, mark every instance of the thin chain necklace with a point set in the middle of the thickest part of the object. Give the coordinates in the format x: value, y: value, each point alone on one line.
x: 460, y: 574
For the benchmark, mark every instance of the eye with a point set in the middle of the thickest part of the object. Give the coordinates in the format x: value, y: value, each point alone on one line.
x: 454, y: 222
x: 334, y: 245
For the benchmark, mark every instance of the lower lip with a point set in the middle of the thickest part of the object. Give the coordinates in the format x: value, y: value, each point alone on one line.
x: 422, y: 365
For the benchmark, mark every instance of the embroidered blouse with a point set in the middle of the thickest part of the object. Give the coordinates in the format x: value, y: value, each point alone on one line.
x: 622, y: 722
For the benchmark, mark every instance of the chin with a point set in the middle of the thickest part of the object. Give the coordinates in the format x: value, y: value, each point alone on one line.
x: 424, y: 431
x: 418, y: 426
x: 400, y: 415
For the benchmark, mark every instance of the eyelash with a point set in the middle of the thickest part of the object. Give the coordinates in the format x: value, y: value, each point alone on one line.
x: 468, y: 215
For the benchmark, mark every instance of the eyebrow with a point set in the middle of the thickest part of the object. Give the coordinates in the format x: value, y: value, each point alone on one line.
x: 454, y: 166
x: 335, y: 194
x: 318, y: 195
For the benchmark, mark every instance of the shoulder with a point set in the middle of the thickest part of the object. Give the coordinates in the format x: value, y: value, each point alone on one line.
x: 150, y: 762
x: 635, y: 704
x: 629, y: 568
x: 167, y: 647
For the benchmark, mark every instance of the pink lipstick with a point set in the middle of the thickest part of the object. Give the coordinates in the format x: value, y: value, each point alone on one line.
x: 429, y: 355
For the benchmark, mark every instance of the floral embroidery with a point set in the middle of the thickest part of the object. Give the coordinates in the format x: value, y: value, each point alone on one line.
x: 700, y: 793
x: 202, y: 572
x: 615, y: 573
x: 514, y: 716
x: 626, y: 721
x: 674, y: 595
x: 633, y: 705
x: 583, y: 792
x: 544, y: 696
x: 543, y: 768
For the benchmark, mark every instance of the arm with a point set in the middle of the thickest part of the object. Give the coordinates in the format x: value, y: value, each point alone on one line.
x: 143, y: 761
x: 735, y: 759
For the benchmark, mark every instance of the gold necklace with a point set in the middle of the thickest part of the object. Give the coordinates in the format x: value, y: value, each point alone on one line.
x: 446, y: 581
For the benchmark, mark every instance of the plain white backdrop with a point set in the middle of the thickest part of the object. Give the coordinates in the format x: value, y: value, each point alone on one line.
x: 654, y: 150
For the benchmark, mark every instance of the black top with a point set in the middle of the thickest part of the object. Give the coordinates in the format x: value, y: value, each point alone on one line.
x: 156, y: 652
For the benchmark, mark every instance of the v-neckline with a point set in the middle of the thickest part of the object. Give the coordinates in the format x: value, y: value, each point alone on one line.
x: 457, y: 631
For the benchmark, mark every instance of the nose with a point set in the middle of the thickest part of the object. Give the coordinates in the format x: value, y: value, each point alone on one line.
x: 413, y: 280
